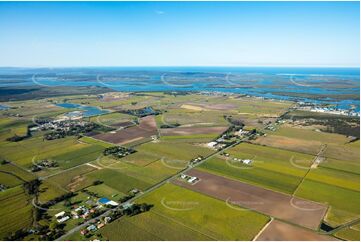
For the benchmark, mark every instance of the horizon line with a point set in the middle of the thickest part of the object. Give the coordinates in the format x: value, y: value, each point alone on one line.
x: 154, y: 66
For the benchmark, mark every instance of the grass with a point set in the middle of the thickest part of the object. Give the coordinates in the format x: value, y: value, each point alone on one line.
x: 104, y: 190
x: 11, y: 175
x: 351, y: 233
x: 174, y: 151
x: 337, y: 178
x: 74, y: 179
x: 344, y: 203
x: 200, y: 138
x: 311, y: 135
x: 79, y: 156
x: 150, y: 226
x: 141, y: 158
x: 117, y: 180
x: 271, y: 168
x: 203, y: 214
x: 342, y: 165
x: 49, y: 191
x: 15, y: 210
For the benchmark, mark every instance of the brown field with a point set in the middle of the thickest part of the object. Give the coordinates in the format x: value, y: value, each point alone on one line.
x: 299, y: 145
x: 280, y: 231
x: 123, y: 124
x: 199, y: 106
x: 146, y: 128
x: 294, y: 210
x: 191, y: 130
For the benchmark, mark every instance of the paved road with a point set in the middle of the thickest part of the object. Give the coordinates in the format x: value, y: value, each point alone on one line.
x: 152, y: 188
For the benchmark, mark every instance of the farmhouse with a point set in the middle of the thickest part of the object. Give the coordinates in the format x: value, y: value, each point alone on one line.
x: 61, y: 214
x: 212, y: 144
x: 63, y: 219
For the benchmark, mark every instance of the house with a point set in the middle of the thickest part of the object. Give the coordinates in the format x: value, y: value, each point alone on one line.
x: 61, y: 214
x: 92, y: 228
x: 247, y: 161
x: 112, y: 203
x: 183, y: 176
x: 63, y: 219
x: 101, y: 225
x: 192, y: 179
x: 212, y: 144
x: 107, y: 220
x: 84, y: 232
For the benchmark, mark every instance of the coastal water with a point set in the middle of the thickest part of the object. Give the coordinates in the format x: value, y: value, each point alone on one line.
x: 338, y: 86
x: 87, y: 111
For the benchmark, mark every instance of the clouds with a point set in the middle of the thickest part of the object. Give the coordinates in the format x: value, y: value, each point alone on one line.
x: 159, y: 12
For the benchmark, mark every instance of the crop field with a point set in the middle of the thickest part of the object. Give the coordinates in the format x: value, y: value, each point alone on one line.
x: 271, y: 168
x: 141, y: 158
x: 79, y: 156
x: 351, y: 233
x: 210, y: 217
x: 112, y: 119
x: 49, y: 191
x: 174, y: 151
x: 280, y: 231
x: 103, y: 190
x: 304, y: 141
x: 193, y: 118
x: 297, y: 145
x: 15, y: 210
x: 193, y: 138
x: 146, y: 128
x: 348, y: 166
x: 310, y: 135
x: 344, y: 203
x: 11, y: 175
x: 92, y: 141
x: 24, y: 152
x: 334, y: 177
x: 118, y: 180
x: 151, y: 226
x: 192, y: 131
x: 74, y: 179
x: 294, y: 210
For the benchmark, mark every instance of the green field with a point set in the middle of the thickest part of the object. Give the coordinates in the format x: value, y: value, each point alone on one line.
x: 204, y: 218
x: 117, y: 180
x: 344, y: 203
x: 15, y: 210
x: 11, y: 176
x: 351, y: 233
x: 74, y: 179
x: 271, y: 168
x: 174, y: 151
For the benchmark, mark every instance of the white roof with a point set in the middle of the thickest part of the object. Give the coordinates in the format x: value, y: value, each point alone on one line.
x: 112, y: 203
x: 61, y: 214
x: 63, y: 219
x: 211, y: 144
x: 192, y: 179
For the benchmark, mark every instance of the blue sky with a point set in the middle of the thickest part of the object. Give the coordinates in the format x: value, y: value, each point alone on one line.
x: 179, y: 34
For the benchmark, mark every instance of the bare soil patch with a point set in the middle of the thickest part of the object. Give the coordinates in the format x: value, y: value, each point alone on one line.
x: 298, y: 145
x: 238, y: 194
x: 146, y: 128
x: 192, y: 130
x: 280, y: 231
x: 205, y: 107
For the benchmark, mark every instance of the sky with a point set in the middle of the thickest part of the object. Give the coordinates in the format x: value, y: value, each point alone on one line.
x: 66, y: 34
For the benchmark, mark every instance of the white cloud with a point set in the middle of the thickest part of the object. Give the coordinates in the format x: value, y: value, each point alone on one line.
x: 159, y: 12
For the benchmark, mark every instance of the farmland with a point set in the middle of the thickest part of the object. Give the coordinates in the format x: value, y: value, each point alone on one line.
x: 282, y: 169
x: 200, y: 215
